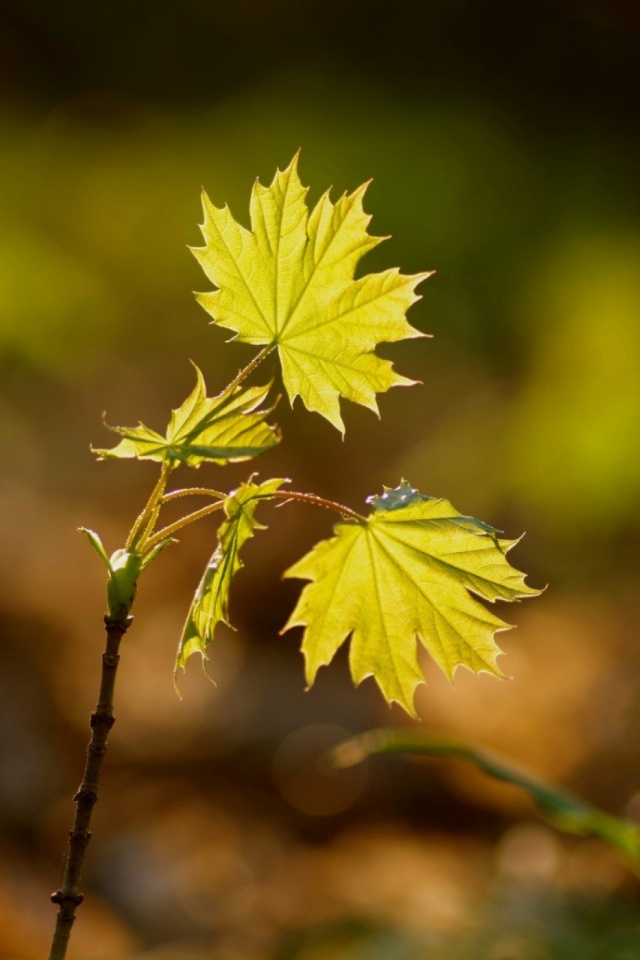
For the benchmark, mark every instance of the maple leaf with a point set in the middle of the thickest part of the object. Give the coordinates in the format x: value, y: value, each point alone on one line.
x: 210, y: 604
x: 289, y: 283
x: 222, y: 429
x: 405, y: 572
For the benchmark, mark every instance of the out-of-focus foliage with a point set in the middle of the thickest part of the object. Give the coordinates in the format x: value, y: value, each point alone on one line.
x: 561, y: 809
x: 535, y: 293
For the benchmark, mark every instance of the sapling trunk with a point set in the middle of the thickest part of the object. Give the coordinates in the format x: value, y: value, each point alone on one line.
x: 124, y: 569
x: 68, y: 896
x: 289, y: 286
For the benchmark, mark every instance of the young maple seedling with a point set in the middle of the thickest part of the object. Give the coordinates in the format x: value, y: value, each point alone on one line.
x: 403, y: 574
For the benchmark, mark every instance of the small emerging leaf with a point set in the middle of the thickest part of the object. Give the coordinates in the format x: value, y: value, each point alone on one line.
x: 210, y: 604
x: 223, y: 429
x: 404, y: 574
x: 125, y: 570
x: 290, y: 283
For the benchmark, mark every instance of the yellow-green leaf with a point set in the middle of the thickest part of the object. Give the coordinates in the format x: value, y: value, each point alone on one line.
x: 222, y: 429
x: 210, y: 604
x: 406, y: 573
x: 289, y: 283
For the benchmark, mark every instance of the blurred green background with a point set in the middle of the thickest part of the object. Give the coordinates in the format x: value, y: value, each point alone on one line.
x: 503, y: 144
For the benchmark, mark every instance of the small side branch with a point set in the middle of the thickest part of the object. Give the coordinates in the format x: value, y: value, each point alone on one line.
x: 68, y: 897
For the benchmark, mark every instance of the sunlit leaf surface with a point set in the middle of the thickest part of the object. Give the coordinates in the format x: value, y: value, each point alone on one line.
x: 408, y: 572
x: 222, y: 429
x: 289, y: 283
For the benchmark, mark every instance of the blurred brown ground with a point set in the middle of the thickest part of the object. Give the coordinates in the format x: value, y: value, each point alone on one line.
x: 504, y: 149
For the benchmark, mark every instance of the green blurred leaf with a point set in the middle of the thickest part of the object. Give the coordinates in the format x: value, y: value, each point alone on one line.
x: 223, y: 429
x: 289, y: 284
x: 405, y: 573
x: 560, y: 808
x: 210, y: 604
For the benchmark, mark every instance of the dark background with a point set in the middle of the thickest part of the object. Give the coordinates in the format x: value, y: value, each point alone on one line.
x: 504, y: 145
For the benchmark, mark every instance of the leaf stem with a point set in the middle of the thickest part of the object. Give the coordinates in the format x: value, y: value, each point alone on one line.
x: 285, y: 495
x: 145, y: 522
x: 346, y: 512
x: 68, y: 896
x: 186, y: 491
x: 183, y: 522
x: 251, y: 366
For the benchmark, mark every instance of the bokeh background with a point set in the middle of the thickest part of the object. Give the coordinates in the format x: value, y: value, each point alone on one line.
x: 504, y: 148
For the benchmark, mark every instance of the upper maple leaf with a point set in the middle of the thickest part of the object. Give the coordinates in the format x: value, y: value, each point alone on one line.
x: 289, y: 283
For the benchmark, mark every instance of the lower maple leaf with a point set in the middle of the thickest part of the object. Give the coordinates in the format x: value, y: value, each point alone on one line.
x: 407, y: 572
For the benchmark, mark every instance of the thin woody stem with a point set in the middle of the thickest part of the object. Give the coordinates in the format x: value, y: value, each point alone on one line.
x: 68, y: 896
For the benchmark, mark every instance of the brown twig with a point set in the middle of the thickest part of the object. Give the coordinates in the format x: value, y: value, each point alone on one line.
x: 68, y: 896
